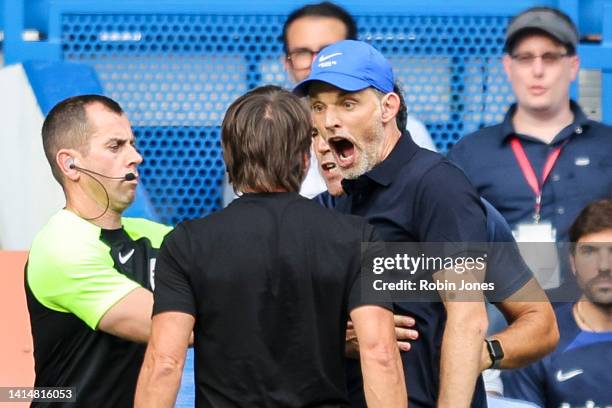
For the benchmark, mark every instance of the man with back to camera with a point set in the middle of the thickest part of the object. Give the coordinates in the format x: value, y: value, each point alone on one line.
x: 546, y: 160
x: 277, y: 266
x: 89, y: 275
x: 413, y: 195
x: 578, y: 373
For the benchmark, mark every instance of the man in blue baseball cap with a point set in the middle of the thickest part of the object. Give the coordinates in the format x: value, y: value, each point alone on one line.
x: 354, y: 66
x: 414, y: 195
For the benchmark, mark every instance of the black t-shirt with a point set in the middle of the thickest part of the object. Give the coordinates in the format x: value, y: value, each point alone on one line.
x: 270, y: 281
x: 415, y: 195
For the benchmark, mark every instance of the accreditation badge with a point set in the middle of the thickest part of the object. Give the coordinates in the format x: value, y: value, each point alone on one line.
x: 537, y: 244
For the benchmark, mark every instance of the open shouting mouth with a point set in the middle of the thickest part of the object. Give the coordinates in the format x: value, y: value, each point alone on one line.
x: 328, y: 166
x: 344, y: 151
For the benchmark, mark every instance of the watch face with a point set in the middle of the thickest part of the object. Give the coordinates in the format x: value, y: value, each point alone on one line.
x: 496, y: 350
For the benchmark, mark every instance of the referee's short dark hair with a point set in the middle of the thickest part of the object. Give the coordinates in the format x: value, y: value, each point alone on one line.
x: 324, y: 9
x: 66, y: 127
x: 266, y: 136
x: 595, y: 217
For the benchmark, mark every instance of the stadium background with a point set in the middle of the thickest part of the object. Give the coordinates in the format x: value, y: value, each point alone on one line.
x: 175, y: 66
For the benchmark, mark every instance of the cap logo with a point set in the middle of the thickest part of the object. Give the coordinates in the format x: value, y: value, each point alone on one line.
x: 349, y: 65
x: 323, y: 58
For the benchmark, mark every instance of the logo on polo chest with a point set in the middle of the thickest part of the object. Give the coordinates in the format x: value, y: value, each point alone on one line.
x: 564, y: 376
x: 124, y: 258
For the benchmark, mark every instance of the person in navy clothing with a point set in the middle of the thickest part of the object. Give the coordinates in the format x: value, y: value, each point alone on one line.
x: 546, y: 160
x: 579, y: 372
x: 414, y: 195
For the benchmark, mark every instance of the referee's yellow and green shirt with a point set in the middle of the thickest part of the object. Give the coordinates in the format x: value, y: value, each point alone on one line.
x: 76, y: 272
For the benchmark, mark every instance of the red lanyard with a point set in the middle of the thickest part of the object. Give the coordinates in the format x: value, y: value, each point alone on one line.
x: 529, y: 173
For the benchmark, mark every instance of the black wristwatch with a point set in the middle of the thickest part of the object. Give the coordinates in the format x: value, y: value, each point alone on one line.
x: 495, y: 352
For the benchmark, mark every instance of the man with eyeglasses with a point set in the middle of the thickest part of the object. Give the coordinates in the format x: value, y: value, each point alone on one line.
x: 546, y: 160
x: 306, y: 31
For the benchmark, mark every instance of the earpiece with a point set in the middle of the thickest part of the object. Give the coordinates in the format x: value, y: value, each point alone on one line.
x: 70, y: 163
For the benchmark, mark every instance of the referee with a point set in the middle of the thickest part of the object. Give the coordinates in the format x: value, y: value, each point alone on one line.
x: 90, y: 273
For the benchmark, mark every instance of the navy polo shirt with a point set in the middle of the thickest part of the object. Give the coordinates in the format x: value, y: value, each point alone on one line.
x: 506, y: 267
x: 582, y: 173
x: 416, y: 195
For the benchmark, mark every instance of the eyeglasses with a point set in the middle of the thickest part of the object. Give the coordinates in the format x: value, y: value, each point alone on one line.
x: 548, y: 58
x: 302, y: 58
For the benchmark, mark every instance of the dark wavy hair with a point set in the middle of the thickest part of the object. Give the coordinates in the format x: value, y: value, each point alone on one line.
x: 595, y: 217
x: 266, y: 134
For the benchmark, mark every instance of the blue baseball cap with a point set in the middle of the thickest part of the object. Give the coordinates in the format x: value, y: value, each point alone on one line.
x: 351, y: 66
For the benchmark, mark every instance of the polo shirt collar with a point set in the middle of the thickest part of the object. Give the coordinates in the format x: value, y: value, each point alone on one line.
x: 580, y: 122
x: 386, y: 171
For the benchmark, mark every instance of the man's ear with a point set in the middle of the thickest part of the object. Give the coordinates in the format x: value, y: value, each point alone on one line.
x: 506, y: 61
x: 390, y: 105
x: 64, y: 159
x: 572, y: 259
x: 575, y: 66
x: 306, y: 159
x: 288, y: 67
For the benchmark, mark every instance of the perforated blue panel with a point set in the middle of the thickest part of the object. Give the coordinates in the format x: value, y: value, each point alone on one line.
x: 182, y: 171
x: 449, y: 68
x: 176, y: 74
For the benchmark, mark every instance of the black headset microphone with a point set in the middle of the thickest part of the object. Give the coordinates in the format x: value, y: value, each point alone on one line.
x: 90, y: 173
x: 127, y: 177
